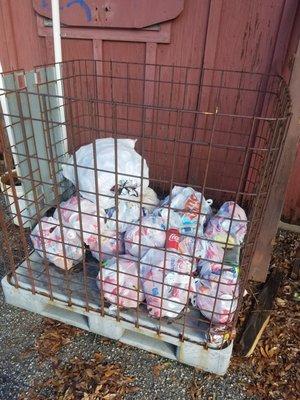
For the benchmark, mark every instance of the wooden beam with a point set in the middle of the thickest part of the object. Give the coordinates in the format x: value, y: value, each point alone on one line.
x: 260, y: 315
x: 163, y: 35
x: 260, y: 263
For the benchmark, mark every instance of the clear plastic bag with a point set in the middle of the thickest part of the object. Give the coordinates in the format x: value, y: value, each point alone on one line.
x: 50, y: 233
x: 151, y: 235
x: 70, y: 217
x: 110, y: 246
x: 217, y: 286
x: 168, y: 284
x: 129, y: 162
x: 188, y: 247
x: 213, y: 269
x: 220, y: 227
x: 170, y: 218
x: 129, y: 210
x: 217, y: 301
x: 126, y: 294
x: 69, y: 211
x: 150, y: 200
x: 189, y: 204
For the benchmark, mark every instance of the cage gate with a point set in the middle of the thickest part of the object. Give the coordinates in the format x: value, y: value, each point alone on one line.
x: 215, y: 134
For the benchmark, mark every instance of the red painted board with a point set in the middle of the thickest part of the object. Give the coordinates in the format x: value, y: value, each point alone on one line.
x: 112, y: 13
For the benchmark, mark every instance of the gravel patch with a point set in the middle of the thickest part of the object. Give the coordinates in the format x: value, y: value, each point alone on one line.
x: 21, y: 366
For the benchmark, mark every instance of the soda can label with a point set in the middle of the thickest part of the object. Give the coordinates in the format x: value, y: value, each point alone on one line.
x: 172, y: 239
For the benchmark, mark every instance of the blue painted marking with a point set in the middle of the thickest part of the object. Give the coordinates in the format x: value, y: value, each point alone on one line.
x: 82, y: 4
x: 44, y: 3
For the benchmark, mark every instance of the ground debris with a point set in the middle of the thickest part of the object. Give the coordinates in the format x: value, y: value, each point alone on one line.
x: 158, y: 368
x: 80, y: 379
x: 273, y: 367
x: 54, y: 336
x: 199, y: 388
x: 196, y: 390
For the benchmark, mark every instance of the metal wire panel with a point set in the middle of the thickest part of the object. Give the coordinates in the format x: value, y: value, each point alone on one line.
x: 219, y: 131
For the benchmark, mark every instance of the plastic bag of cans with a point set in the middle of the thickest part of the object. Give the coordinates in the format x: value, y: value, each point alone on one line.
x: 109, y: 245
x: 53, y: 242
x: 120, y: 283
x: 167, y: 279
x: 170, y: 218
x: 129, y: 211
x: 69, y: 212
x: 219, y: 336
x: 217, y: 300
x: 229, y: 225
x: 151, y: 233
x: 189, y: 203
x: 217, y: 287
x: 193, y: 247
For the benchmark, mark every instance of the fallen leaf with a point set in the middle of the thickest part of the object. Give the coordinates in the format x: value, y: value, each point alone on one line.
x: 93, y: 379
x: 280, y: 302
x: 272, y: 351
x: 89, y: 372
x: 157, y: 369
x: 54, y: 336
x: 273, y: 364
x: 263, y: 352
x: 109, y: 396
x: 288, y: 367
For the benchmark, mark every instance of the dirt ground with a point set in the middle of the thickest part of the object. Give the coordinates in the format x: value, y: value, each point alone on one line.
x: 41, y: 359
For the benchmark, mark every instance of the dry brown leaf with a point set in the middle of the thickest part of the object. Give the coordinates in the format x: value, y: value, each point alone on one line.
x: 54, y: 336
x: 196, y: 391
x: 275, y: 359
x: 280, y: 302
x: 89, y: 372
x: 26, y: 353
x: 272, y: 351
x: 263, y: 352
x: 98, y: 389
x: 157, y: 369
x: 110, y: 396
x: 98, y: 356
x: 108, y: 374
x: 288, y: 367
x: 88, y: 380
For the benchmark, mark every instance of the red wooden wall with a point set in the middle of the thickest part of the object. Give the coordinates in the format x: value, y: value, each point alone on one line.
x: 249, y: 35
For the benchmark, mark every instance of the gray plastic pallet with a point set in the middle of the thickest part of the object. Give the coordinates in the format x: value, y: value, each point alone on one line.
x: 166, y: 344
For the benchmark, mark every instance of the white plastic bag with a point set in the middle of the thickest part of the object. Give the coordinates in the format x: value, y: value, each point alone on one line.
x: 150, y: 199
x: 50, y: 233
x: 110, y: 246
x: 229, y: 225
x: 126, y: 294
x: 70, y: 217
x: 69, y: 211
x: 152, y: 235
x: 188, y: 247
x: 129, y: 162
x: 171, y: 219
x: 129, y: 210
x: 217, y: 301
x: 168, y: 285
x: 189, y: 204
x: 217, y: 287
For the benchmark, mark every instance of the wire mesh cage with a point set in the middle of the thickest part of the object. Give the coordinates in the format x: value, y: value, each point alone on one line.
x: 138, y: 231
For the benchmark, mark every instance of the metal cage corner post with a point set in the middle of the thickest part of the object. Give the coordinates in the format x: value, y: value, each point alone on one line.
x: 220, y: 132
